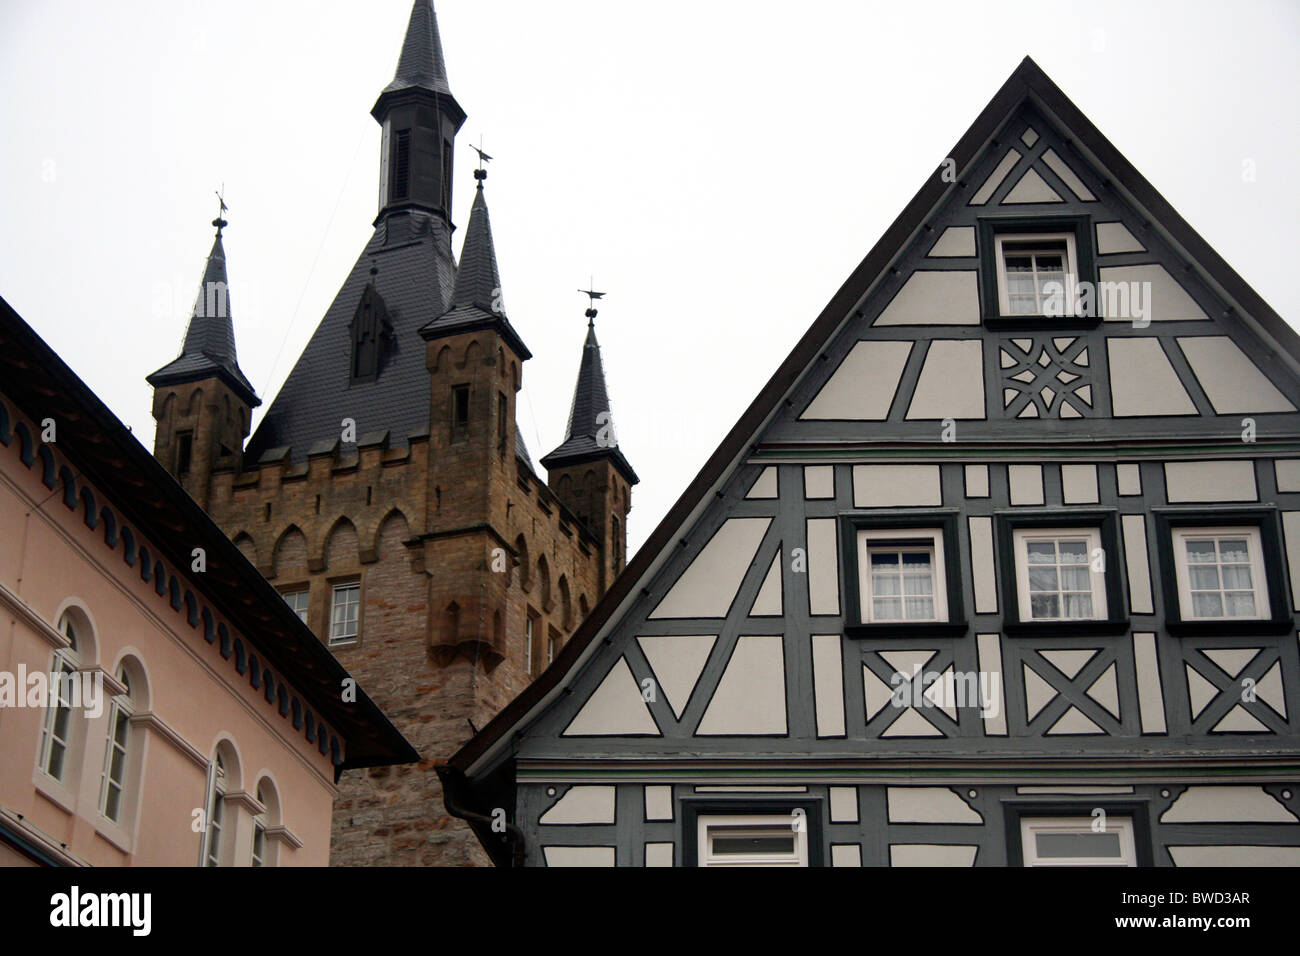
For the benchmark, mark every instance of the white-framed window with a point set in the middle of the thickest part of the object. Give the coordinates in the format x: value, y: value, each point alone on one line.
x: 113, y: 782
x: 528, y: 645
x: 345, y: 611
x: 1078, y: 841
x: 57, y: 729
x: 1026, y: 264
x: 901, y: 576
x: 1220, y: 573
x: 298, y: 601
x: 552, y: 645
x: 212, y: 849
x: 779, y: 839
x: 259, y: 831
x: 1060, y: 574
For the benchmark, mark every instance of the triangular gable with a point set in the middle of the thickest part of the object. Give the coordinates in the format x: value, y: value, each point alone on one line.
x: 1031, y: 111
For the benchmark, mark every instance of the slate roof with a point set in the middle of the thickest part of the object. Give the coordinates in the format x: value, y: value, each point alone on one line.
x: 588, y: 437
x: 476, y: 300
x: 412, y: 252
x: 421, y: 64
x: 476, y: 768
x: 209, y: 346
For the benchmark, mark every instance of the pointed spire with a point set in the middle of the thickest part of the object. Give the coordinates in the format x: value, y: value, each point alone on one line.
x: 421, y: 64
x: 590, y: 434
x: 476, y: 299
x: 209, y: 346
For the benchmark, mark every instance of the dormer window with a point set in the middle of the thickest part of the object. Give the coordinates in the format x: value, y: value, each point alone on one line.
x: 369, y: 330
x: 401, y: 164
x: 1035, y: 273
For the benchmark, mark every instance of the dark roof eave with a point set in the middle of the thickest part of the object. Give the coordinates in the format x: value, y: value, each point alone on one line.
x: 1027, y: 81
x: 560, y: 459
x: 496, y: 323
x: 237, y: 383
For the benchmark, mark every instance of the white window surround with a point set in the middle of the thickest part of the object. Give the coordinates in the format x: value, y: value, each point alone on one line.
x: 214, y: 849
x: 1091, y: 538
x: 1073, y: 841
x: 297, y: 599
x: 1035, y: 242
x: 345, y: 612
x: 779, y: 839
x: 1254, y: 563
x: 528, y: 644
x: 115, y: 779
x: 901, y: 539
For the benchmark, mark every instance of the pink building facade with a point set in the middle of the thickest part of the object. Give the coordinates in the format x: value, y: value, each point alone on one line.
x: 160, y: 704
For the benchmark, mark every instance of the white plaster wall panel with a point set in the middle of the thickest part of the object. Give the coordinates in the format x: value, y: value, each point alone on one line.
x: 1029, y: 137
x: 1169, y: 301
x: 1291, y: 532
x: 1079, y: 484
x: 931, y: 854
x: 769, y: 601
x: 1139, y: 567
x: 846, y: 854
x: 1142, y: 382
x: 1128, y: 478
x: 844, y: 804
x: 1190, y: 481
x: 1269, y: 689
x: 1231, y: 659
x: 823, y: 568
x: 1235, y: 855
x: 709, y: 585
x: 658, y: 854
x: 579, y: 855
x: 1030, y: 189
x: 750, y: 698
x: 880, y: 486
x: 1113, y: 237
x: 819, y: 481
x: 615, y: 708
x: 876, y: 694
x: 977, y: 481
x: 764, y: 485
x: 1105, y: 691
x: 658, y: 802
x: 929, y: 805
x: 863, y: 387
x: 1151, y: 695
x: 982, y: 565
x: 1227, y: 805
x: 1232, y: 382
x: 912, y: 723
x: 1199, y: 690
x: 935, y: 297
x: 1287, y: 471
x: 986, y: 191
x: 582, y: 804
x: 1074, y: 723
x: 994, y: 711
x: 1070, y: 662
x: 951, y: 384
x: 828, y: 684
x: 677, y: 661
x: 1026, y: 484
x: 1038, y: 692
x: 1239, y: 721
x: 1067, y: 176
x: 955, y: 241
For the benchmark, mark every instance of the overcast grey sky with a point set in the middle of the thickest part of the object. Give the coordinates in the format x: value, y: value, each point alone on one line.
x: 719, y: 167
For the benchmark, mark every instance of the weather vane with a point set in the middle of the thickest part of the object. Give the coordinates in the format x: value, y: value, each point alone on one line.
x: 592, y: 296
x: 481, y: 173
x: 220, y: 221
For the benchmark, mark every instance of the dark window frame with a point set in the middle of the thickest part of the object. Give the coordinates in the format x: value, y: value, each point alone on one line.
x: 1137, y: 811
x: 1281, y: 615
x: 812, y: 806
x: 459, y: 421
x: 1106, y: 523
x: 989, y: 228
x: 399, y: 180
x: 945, y: 522
x: 184, y: 452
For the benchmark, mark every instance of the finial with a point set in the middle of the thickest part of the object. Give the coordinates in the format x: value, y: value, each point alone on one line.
x: 220, y: 221
x: 374, y: 270
x: 592, y: 296
x: 480, y: 173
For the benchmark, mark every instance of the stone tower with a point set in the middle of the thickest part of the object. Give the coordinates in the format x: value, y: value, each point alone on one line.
x: 388, y: 494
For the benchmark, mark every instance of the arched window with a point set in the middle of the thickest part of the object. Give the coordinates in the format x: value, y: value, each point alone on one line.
x: 112, y: 788
x: 213, y: 851
x: 266, y: 824
x: 544, y: 582
x: 57, y: 730
x: 259, y: 831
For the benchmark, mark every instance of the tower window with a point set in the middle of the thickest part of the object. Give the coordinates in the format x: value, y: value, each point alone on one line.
x: 402, y: 164
x: 184, y: 452
x: 501, y: 424
x: 446, y: 176
x: 459, y: 409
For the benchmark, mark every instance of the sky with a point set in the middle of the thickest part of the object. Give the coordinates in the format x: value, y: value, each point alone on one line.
x: 718, y: 168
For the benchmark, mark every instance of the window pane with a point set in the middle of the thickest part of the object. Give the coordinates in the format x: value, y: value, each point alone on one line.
x: 887, y: 608
x: 1203, y: 578
x: 1042, y: 579
x: 1078, y: 606
x: 920, y: 608
x: 885, y: 584
x: 1200, y: 551
x: 916, y: 561
x: 918, y: 584
x: 1074, y: 552
x: 1044, y: 605
x: 1041, y: 552
x: 1236, y: 577
x: 1078, y: 844
x: 1234, y: 550
x: 765, y: 843
x: 884, y: 559
x: 1240, y: 605
x: 1207, y: 605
